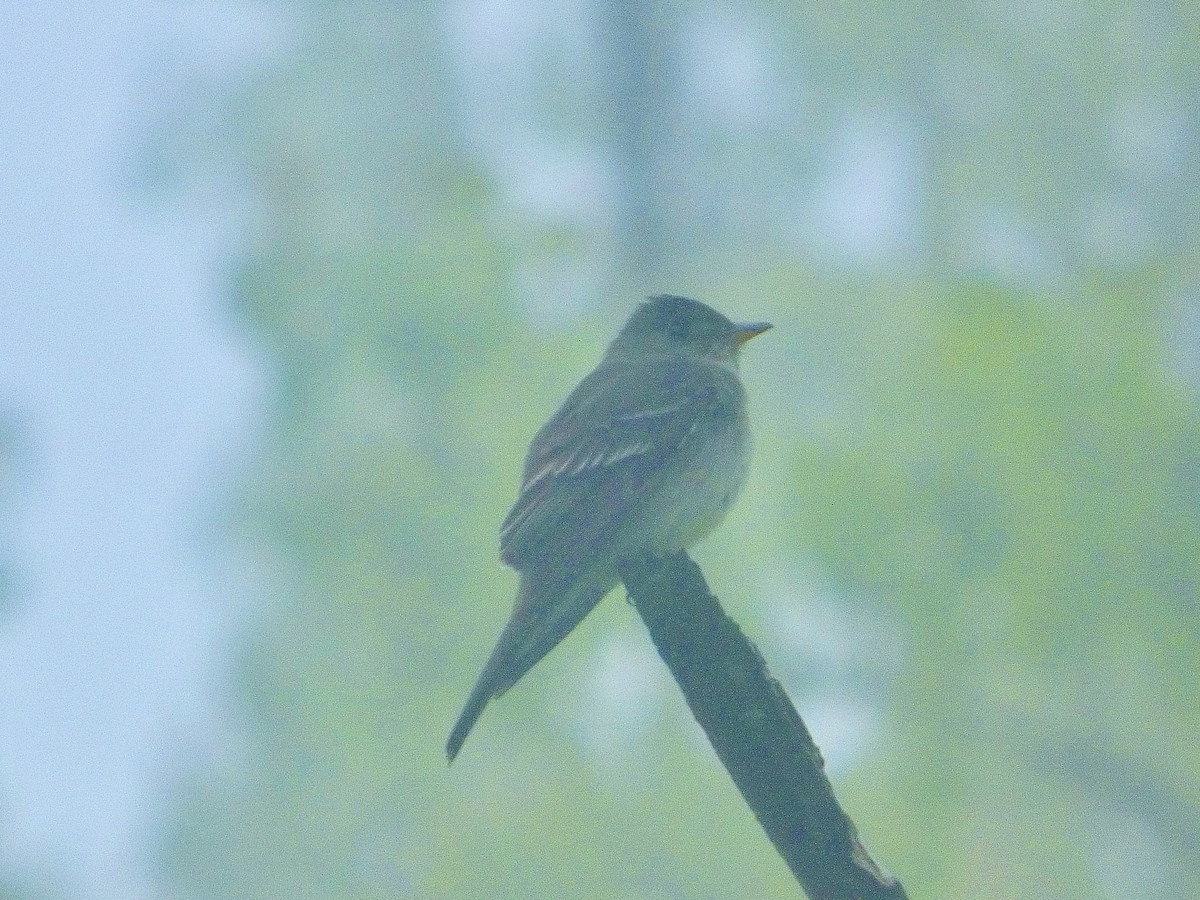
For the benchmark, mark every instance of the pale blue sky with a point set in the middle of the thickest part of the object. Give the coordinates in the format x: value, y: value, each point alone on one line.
x: 132, y: 397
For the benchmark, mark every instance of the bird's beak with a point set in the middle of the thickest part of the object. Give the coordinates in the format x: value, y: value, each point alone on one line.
x: 747, y: 330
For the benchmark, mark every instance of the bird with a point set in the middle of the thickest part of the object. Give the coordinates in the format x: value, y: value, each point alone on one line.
x: 643, y: 458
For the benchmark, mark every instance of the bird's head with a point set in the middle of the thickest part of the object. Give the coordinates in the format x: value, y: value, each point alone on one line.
x: 667, y: 324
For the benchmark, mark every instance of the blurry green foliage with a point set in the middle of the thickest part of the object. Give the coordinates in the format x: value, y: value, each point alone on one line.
x: 1008, y: 471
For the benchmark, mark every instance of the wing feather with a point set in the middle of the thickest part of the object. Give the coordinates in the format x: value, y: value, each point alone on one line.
x: 613, y: 438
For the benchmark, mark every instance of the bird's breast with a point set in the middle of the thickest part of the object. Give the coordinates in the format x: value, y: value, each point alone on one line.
x: 691, y: 502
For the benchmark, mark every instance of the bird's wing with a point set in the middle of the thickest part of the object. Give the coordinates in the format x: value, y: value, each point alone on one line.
x: 622, y: 429
x: 609, y: 443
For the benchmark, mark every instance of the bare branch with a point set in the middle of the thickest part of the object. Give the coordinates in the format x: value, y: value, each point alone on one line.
x: 755, y: 730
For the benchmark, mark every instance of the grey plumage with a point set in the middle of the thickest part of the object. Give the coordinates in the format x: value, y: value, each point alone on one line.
x: 644, y: 456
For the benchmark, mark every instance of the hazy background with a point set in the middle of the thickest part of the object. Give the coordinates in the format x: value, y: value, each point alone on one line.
x: 287, y: 287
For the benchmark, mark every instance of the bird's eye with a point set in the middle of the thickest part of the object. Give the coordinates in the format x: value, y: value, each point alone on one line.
x: 677, y: 329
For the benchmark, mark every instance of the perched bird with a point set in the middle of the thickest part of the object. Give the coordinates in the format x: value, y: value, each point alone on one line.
x: 644, y: 457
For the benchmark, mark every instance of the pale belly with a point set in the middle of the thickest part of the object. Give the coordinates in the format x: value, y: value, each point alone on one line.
x: 700, y: 499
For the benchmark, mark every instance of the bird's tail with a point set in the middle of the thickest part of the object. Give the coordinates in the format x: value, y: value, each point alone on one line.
x: 545, y: 612
x: 471, y: 711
